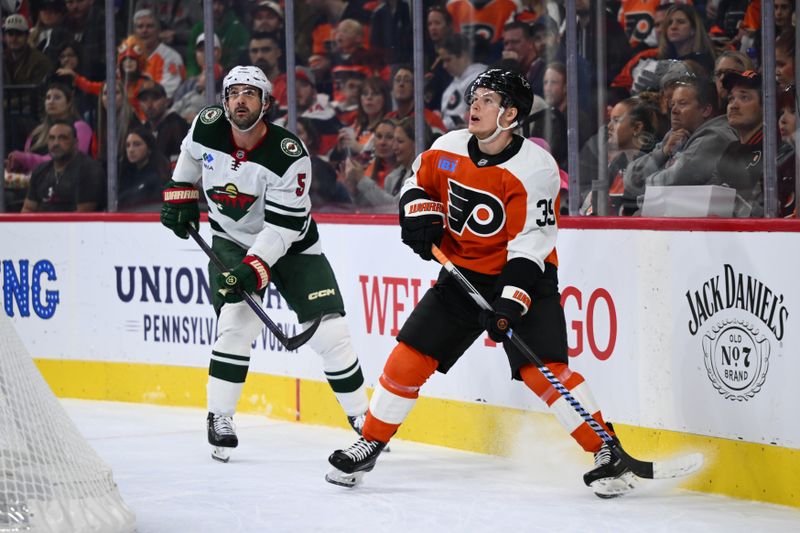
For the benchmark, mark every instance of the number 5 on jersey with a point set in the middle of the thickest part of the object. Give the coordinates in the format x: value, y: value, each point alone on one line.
x: 301, y: 184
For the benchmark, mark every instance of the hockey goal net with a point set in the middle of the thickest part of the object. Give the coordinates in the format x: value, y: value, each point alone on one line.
x: 50, y: 478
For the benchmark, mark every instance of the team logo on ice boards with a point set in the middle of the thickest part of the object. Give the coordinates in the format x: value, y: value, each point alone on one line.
x: 210, y: 115
x: 230, y: 201
x: 739, y: 319
x: 291, y: 148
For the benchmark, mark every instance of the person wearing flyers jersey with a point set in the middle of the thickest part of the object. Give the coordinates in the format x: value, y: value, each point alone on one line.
x: 489, y: 199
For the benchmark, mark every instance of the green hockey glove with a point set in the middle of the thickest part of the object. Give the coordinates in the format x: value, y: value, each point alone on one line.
x: 251, y: 275
x: 180, y: 207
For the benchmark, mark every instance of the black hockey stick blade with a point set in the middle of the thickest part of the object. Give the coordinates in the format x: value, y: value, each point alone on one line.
x: 293, y: 343
x: 290, y: 343
x: 670, y: 468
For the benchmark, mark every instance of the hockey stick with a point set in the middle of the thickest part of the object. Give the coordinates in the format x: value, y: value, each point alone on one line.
x: 679, y: 466
x: 290, y: 343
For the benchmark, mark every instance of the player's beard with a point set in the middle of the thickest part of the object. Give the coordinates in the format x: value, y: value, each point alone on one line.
x: 245, y: 122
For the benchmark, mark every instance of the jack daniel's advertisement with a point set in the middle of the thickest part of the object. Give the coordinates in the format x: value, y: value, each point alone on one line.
x: 741, y: 322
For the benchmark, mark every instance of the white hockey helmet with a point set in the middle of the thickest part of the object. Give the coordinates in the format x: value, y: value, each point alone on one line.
x: 247, y: 76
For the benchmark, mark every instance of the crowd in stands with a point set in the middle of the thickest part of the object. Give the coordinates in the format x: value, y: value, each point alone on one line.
x: 683, y: 93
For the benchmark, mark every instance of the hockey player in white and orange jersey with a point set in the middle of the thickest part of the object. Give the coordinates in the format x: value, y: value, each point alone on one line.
x: 489, y: 199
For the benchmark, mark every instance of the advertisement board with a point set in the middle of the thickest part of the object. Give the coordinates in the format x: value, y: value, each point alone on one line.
x: 679, y: 330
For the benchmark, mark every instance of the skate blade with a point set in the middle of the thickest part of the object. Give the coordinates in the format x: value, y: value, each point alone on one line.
x: 220, y: 454
x: 343, y: 479
x: 614, y: 487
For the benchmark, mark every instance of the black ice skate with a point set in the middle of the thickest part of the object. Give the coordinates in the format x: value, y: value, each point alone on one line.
x: 350, y: 465
x: 610, y: 477
x: 221, y: 436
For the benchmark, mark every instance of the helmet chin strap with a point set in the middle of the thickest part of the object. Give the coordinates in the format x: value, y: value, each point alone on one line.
x: 499, y: 128
x: 233, y: 124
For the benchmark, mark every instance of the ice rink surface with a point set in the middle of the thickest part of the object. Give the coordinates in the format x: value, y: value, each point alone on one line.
x: 275, y: 482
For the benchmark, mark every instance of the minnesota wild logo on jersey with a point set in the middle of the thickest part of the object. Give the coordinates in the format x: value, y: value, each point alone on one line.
x: 230, y: 201
x: 291, y: 148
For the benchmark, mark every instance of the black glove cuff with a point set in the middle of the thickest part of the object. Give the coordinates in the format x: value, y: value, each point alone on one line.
x: 519, y: 272
x: 409, y: 196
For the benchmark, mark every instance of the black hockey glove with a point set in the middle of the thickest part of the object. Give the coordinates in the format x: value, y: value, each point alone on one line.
x: 505, y: 314
x: 251, y: 275
x: 512, y: 298
x: 421, y: 222
x: 180, y: 207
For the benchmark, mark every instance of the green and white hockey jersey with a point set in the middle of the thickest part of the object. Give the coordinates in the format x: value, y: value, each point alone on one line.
x: 257, y: 198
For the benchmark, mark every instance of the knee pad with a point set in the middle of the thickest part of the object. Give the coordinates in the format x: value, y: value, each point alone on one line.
x: 238, y: 326
x: 332, y: 342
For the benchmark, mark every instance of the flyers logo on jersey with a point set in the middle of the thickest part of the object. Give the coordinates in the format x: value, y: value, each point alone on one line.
x: 484, y: 31
x: 230, y: 201
x: 482, y: 213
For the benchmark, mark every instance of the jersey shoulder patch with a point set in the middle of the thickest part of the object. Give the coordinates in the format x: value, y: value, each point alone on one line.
x: 213, y: 130
x: 209, y: 115
x: 279, y: 151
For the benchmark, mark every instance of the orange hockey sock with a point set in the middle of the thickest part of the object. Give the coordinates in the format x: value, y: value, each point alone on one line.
x: 405, y: 372
x: 560, y: 407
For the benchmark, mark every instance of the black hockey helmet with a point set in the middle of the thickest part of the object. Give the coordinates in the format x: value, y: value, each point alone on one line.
x: 512, y: 87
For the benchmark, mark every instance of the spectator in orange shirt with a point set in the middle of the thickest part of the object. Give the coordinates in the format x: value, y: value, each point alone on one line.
x: 351, y: 49
x: 164, y: 64
x: 366, y: 172
x: 130, y: 68
x: 374, y: 103
x: 485, y: 20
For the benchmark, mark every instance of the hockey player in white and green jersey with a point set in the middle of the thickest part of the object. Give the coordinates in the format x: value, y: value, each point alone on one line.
x: 256, y: 178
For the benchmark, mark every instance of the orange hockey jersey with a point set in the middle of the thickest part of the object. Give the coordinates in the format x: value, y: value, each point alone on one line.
x: 486, y: 21
x: 498, y: 207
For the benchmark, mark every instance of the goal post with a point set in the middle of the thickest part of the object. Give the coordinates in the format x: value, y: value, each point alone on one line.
x: 51, y: 480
